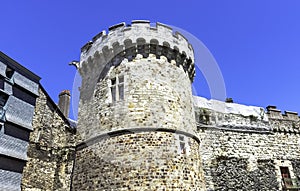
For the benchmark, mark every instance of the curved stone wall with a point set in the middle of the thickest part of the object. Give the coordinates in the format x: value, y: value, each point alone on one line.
x: 138, y: 161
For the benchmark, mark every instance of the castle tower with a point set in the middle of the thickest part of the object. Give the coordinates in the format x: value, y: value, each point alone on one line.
x: 136, y: 118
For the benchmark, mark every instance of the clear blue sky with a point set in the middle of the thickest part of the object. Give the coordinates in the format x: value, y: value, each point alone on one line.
x: 256, y: 43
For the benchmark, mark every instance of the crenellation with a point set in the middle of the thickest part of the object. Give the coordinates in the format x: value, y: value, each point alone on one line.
x: 87, y: 46
x: 118, y: 26
x: 160, y: 33
x: 291, y: 115
x: 98, y: 36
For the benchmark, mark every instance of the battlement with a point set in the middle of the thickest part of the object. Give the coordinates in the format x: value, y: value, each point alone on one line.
x: 238, y: 117
x: 127, y: 41
x: 275, y: 113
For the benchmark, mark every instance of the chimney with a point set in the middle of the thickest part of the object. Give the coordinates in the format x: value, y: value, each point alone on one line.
x: 64, y: 102
x: 229, y: 100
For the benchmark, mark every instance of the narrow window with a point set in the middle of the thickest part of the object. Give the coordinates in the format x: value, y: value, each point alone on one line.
x: 117, y: 88
x: 286, y: 177
x: 113, y: 89
x: 182, y: 144
x: 121, y: 87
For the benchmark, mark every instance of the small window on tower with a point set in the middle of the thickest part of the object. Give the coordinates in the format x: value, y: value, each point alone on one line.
x: 121, y: 88
x: 117, y: 88
x: 113, y: 89
x: 182, y: 144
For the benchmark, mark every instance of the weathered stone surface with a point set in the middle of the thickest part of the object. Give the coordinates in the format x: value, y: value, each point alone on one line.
x: 141, y: 161
x: 51, y: 150
x: 238, y: 151
x: 232, y: 174
x: 153, y: 99
x: 135, y: 143
x: 156, y: 68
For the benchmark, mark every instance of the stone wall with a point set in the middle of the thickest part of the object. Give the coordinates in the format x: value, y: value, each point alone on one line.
x: 51, y: 150
x: 138, y: 161
x: 235, y: 152
x: 234, y: 174
x: 157, y: 94
x: 296, y: 166
x: 158, y: 107
x: 242, y: 156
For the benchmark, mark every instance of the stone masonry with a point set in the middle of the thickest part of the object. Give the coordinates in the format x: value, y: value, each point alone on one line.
x: 243, y: 148
x: 139, y: 127
x: 136, y: 117
x: 51, y: 151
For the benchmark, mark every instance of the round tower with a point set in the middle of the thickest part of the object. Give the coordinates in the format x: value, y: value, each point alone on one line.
x: 136, y: 119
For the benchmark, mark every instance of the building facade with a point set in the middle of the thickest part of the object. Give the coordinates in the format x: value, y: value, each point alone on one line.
x: 37, y: 141
x: 139, y: 126
x: 19, y: 90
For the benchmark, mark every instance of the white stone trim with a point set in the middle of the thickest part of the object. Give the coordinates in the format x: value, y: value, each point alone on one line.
x: 283, y: 163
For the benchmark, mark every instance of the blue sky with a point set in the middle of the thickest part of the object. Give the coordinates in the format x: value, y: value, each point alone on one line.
x: 256, y: 43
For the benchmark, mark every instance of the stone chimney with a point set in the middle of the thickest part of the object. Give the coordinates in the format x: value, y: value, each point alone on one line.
x: 64, y: 102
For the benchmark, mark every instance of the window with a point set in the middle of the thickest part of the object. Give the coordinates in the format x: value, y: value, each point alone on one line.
x: 121, y: 88
x: 117, y: 88
x: 288, y: 183
x: 286, y: 177
x: 182, y: 144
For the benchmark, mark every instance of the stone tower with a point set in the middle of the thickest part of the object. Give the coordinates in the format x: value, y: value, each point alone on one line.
x: 136, y: 119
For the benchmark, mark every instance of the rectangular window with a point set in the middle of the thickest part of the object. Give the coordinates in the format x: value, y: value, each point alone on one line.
x: 183, y: 146
x: 121, y: 88
x: 286, y: 178
x: 113, y: 89
x: 286, y: 175
x: 117, y: 88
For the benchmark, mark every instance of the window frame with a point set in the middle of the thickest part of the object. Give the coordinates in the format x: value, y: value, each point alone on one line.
x: 117, y: 88
x: 183, y: 145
